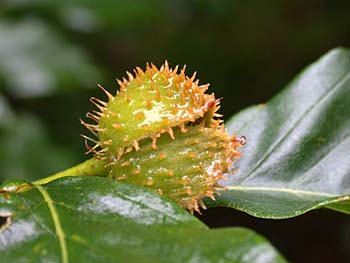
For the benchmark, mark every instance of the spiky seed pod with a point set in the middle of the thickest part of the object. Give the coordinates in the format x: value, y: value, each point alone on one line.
x: 186, y: 163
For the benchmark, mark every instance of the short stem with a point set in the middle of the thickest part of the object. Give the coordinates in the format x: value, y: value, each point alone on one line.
x: 87, y: 168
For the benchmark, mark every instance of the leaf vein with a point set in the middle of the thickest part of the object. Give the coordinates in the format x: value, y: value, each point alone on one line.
x: 56, y: 221
x: 321, y: 99
x: 284, y: 190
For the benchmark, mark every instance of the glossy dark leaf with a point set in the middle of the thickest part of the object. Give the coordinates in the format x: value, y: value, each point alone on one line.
x: 298, y: 153
x: 92, y: 219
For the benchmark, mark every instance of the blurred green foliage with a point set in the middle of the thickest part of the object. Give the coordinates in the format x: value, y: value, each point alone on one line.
x: 53, y: 53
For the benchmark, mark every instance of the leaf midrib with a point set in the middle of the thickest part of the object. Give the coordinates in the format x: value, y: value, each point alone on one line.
x: 281, y: 190
x: 56, y: 221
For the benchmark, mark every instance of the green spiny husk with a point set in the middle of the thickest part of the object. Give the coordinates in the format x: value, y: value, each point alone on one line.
x: 185, y: 169
x: 186, y: 164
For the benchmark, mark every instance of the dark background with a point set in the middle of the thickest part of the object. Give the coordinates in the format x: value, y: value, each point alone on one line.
x: 53, y: 53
